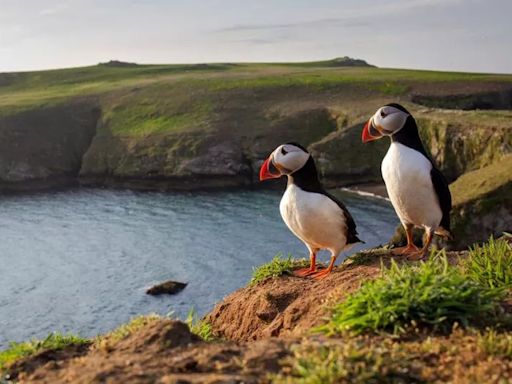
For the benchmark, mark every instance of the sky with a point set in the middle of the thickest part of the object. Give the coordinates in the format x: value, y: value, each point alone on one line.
x: 459, y: 35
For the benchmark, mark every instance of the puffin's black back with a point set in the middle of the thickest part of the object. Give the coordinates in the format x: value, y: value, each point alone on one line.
x: 410, y: 137
x: 306, y: 179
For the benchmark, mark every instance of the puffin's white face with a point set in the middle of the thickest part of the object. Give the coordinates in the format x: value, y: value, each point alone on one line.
x: 387, y: 121
x: 285, y: 160
x: 289, y: 158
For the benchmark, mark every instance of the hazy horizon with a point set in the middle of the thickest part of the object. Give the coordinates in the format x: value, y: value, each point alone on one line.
x: 452, y: 35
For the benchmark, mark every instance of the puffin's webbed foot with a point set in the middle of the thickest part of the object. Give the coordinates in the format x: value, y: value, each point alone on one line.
x: 303, y: 272
x: 423, y: 252
x: 407, y: 250
x: 324, y: 272
x: 320, y: 274
x: 418, y: 255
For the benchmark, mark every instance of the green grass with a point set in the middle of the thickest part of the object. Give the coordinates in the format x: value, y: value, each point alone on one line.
x: 17, y: 351
x: 493, y: 343
x: 354, y: 361
x: 431, y: 293
x: 464, y: 356
x: 29, y: 89
x: 490, y: 264
x: 145, y: 114
x: 137, y: 323
x: 199, y: 327
x: 277, y: 267
x: 475, y: 185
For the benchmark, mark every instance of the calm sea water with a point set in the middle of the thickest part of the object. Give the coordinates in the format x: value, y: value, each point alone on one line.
x: 80, y: 260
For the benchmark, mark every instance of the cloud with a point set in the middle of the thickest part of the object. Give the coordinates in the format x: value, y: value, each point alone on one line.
x: 340, y: 22
x: 350, y: 18
x: 256, y: 41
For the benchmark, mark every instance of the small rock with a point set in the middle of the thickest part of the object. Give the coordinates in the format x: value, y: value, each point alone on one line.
x: 170, y: 287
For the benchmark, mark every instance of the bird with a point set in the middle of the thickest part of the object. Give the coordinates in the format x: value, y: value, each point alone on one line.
x: 316, y: 217
x: 418, y: 191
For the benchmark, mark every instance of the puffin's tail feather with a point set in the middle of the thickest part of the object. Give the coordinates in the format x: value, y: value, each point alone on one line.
x: 354, y: 240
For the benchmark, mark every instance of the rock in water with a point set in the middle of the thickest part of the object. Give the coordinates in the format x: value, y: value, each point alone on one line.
x: 170, y: 287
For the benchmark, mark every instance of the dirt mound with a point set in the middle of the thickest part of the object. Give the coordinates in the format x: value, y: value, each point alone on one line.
x: 164, y: 352
x: 48, y: 357
x: 288, y: 306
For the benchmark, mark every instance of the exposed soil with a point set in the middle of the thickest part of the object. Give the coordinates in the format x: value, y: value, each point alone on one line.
x: 285, y: 307
x: 247, y: 321
x: 289, y: 307
x: 162, y: 352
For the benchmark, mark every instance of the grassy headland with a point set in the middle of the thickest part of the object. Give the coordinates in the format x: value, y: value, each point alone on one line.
x: 162, y: 126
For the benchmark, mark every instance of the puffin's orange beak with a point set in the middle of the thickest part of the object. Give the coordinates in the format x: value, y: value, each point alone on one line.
x: 266, y: 172
x: 370, y: 133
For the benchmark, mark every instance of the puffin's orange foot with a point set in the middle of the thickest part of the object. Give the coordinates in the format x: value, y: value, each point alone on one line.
x: 321, y: 274
x: 418, y: 255
x: 303, y: 272
x: 407, y: 250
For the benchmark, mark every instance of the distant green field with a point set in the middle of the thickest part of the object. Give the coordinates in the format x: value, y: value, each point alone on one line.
x: 143, y: 99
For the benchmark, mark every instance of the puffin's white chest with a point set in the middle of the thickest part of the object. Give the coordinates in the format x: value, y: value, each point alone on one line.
x: 406, y: 173
x: 314, y: 218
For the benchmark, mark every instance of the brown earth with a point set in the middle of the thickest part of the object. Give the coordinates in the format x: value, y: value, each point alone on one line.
x: 258, y: 324
x: 165, y: 352
x: 291, y: 306
x: 285, y: 307
x: 162, y: 352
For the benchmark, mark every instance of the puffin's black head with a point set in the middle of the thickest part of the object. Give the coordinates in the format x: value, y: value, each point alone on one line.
x: 387, y: 121
x: 285, y: 160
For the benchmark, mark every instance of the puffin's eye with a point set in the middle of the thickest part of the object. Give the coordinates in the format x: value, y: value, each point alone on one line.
x: 284, y: 151
x: 383, y: 114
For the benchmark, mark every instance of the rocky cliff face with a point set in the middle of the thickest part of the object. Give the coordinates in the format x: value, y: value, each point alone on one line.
x: 460, y: 143
x: 343, y: 159
x: 76, y: 141
x: 225, y: 154
x: 45, y: 145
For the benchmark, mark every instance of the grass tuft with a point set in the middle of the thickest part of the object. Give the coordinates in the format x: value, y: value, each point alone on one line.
x: 108, y: 341
x: 199, y: 327
x: 431, y: 293
x: 55, y: 341
x: 277, y: 267
x: 492, y: 343
x: 355, y: 361
x: 490, y: 264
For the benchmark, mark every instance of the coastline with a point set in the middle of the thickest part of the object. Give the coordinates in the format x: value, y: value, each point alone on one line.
x: 376, y: 190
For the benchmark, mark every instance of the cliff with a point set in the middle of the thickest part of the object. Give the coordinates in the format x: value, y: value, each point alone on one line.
x: 189, y: 126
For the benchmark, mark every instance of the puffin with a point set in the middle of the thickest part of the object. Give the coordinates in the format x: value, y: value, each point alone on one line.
x: 418, y: 191
x: 316, y: 217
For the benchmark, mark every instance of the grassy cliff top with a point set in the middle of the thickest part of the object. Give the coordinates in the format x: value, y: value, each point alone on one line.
x: 28, y: 89
x: 477, y: 184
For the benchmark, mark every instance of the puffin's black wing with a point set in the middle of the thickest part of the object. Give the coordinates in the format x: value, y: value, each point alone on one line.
x: 349, y: 220
x: 444, y: 196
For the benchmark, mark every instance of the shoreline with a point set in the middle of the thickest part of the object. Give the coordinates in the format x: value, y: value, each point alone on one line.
x: 375, y: 190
